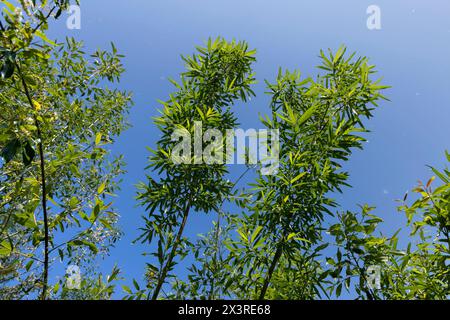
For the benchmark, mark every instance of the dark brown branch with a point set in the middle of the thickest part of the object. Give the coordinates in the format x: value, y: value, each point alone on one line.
x: 272, y: 267
x: 44, y: 20
x: 370, y: 295
x: 166, y: 267
x: 44, y: 187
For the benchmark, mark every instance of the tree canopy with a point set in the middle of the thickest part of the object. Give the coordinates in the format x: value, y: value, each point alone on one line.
x: 281, y: 236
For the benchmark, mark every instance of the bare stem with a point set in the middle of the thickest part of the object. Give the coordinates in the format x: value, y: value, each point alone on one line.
x: 166, y: 267
x: 272, y: 267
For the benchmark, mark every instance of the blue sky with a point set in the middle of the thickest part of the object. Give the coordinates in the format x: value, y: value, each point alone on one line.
x: 411, y: 51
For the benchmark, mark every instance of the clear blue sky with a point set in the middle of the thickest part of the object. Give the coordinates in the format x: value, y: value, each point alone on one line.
x: 411, y: 51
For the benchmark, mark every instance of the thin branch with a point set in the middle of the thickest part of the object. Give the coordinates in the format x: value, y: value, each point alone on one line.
x: 272, y: 267
x: 217, y: 233
x: 44, y: 185
x: 166, y: 267
x: 362, y: 273
x: 44, y: 20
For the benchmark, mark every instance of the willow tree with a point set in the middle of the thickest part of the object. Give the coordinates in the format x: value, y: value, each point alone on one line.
x: 217, y: 76
x: 275, y: 248
x: 411, y: 269
x: 57, y: 118
x: 321, y: 121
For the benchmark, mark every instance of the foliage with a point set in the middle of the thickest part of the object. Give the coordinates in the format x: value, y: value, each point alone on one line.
x: 57, y: 175
x: 320, y: 122
x: 281, y: 237
x: 216, y: 76
x: 420, y: 269
x: 91, y: 288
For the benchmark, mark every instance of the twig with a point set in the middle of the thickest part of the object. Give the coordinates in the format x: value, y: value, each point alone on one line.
x: 172, y: 253
x: 44, y: 186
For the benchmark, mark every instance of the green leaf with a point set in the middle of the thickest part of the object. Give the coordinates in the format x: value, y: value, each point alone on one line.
x: 95, y: 213
x: 98, y: 138
x: 73, y: 202
x: 115, y: 272
x: 339, y: 290
x: 255, y: 233
x: 244, y: 237
x: 339, y: 54
x: 5, y: 248
x: 26, y: 219
x: 56, y: 288
x: 136, y: 285
x: 106, y: 224
x: 308, y: 114
x: 10, y: 6
x: 440, y: 175
x: 58, y: 13
x: 86, y: 243
x: 29, y: 265
x: 298, y: 177
x: 42, y: 35
x: 290, y: 236
x: 10, y: 150
x: 28, y: 154
x: 61, y: 254
x: 291, y: 115
x: 7, y: 69
x: 126, y: 289
x: 101, y: 188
